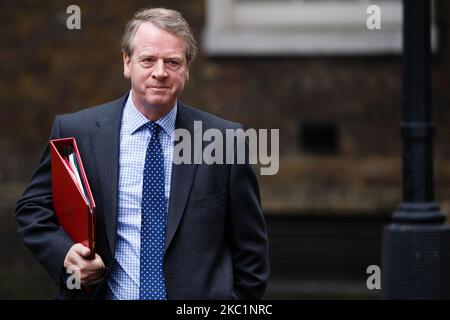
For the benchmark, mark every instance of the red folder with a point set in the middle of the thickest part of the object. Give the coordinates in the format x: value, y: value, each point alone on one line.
x: 74, y: 209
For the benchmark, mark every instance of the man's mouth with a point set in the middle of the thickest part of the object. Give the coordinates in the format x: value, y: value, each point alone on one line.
x: 158, y: 87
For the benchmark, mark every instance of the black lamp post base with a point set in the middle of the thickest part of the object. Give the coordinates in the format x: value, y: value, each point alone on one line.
x: 416, y: 261
x: 419, y: 212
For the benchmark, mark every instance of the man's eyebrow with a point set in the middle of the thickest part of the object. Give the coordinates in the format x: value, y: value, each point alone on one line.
x: 178, y: 57
x: 145, y: 55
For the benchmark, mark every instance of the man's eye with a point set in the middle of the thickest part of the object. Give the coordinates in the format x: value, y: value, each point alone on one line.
x: 148, y: 61
x: 174, y: 62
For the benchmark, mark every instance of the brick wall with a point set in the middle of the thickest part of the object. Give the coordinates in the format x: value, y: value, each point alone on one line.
x: 47, y: 69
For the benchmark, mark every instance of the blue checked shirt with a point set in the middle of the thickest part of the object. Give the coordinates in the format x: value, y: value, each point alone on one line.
x: 123, y: 281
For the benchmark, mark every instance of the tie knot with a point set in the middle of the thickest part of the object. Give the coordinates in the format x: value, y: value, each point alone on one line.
x: 154, y: 128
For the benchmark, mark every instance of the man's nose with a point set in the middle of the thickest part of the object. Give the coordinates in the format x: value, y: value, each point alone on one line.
x: 159, y: 70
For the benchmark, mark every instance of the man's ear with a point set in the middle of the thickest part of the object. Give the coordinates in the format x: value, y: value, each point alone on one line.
x: 126, y: 65
x: 187, y: 73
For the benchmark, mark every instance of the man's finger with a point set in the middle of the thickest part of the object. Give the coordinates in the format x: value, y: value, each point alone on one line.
x: 83, y: 251
x: 99, y: 262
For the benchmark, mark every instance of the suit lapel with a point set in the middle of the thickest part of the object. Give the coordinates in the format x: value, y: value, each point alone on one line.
x: 105, y: 140
x: 182, y: 179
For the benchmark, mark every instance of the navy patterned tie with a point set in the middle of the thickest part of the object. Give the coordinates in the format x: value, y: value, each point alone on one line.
x: 153, y: 225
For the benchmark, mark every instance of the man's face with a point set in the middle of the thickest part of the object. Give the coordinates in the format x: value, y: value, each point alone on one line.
x: 157, y: 68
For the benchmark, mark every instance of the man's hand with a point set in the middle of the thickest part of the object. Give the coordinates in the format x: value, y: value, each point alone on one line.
x: 90, y: 270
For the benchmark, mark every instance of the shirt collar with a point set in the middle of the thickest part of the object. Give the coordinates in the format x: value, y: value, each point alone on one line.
x: 135, y: 120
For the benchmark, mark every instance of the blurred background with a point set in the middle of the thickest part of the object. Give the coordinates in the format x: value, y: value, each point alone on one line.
x: 309, y: 68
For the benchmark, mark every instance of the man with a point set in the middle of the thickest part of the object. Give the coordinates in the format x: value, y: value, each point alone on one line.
x: 163, y: 231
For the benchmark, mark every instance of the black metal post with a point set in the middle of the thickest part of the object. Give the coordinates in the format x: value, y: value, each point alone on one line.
x: 416, y: 245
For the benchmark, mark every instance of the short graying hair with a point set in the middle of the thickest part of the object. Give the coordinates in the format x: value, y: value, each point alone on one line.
x: 169, y: 20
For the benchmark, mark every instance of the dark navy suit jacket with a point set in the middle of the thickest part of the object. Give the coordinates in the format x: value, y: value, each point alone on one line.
x: 216, y: 243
